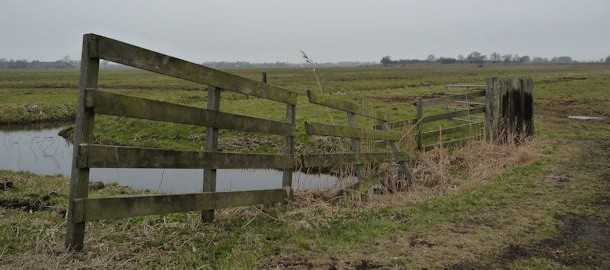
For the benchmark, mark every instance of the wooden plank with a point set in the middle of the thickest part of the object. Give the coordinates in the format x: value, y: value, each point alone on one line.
x: 355, y: 144
x: 211, y: 145
x: 289, y: 149
x: 449, y: 115
x: 452, y: 130
x: 121, y: 105
x: 442, y: 100
x: 90, y: 209
x: 349, y: 132
x: 83, y: 133
x: 528, y: 106
x: 109, y: 156
x: 130, y: 55
x: 345, y: 105
x: 334, y: 159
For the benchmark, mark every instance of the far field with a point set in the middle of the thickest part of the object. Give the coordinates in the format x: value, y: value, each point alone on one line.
x: 543, y: 204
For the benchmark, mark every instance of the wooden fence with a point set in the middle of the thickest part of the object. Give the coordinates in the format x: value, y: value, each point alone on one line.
x: 88, y: 155
x: 508, y: 105
x: 458, y: 108
x: 355, y: 156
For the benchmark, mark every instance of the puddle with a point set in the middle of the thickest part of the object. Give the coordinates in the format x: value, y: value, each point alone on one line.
x: 42, y: 151
x: 582, y: 117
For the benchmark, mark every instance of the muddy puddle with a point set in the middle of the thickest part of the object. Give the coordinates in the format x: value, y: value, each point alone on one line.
x: 41, y: 150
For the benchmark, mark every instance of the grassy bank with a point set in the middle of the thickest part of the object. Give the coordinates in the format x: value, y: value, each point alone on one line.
x: 546, y: 211
x: 544, y: 204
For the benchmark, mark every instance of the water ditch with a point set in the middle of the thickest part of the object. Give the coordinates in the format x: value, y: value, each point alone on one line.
x: 41, y: 150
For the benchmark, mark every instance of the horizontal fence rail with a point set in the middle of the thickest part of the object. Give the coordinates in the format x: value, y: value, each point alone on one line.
x: 110, y: 156
x: 90, y: 209
x: 134, y: 107
x: 347, y: 132
x: 450, y: 115
x: 442, y: 100
x: 334, y: 159
x: 134, y: 56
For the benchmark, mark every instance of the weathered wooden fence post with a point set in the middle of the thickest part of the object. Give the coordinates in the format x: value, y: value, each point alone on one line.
x: 355, y: 144
x: 508, y: 109
x: 83, y: 133
x: 288, y: 147
x: 211, y: 145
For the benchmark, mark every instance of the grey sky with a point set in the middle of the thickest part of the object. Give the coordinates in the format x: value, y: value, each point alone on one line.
x: 329, y: 31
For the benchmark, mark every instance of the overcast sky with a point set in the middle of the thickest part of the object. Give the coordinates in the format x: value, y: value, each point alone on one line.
x: 327, y: 30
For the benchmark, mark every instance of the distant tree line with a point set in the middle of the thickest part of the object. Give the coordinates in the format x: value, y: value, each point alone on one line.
x: 65, y: 62
x: 479, y: 58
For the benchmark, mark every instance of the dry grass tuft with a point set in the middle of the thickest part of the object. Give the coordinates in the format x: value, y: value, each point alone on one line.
x: 441, y: 171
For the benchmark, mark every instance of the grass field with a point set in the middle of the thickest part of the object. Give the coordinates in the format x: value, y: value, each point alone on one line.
x: 541, y: 205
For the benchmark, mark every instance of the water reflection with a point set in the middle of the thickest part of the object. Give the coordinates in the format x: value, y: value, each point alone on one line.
x: 40, y: 150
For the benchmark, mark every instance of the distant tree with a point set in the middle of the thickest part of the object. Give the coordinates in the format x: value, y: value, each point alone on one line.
x: 66, y: 59
x: 495, y: 57
x: 446, y: 60
x: 524, y: 59
x: 430, y: 58
x: 607, y: 60
x: 476, y: 58
x: 461, y: 58
x: 516, y: 58
x: 386, y: 60
x: 562, y: 59
x: 507, y: 58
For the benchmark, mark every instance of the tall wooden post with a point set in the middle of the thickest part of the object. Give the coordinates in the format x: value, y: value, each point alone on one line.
x: 508, y: 109
x: 355, y: 144
x: 211, y: 145
x: 83, y: 133
x: 289, y: 150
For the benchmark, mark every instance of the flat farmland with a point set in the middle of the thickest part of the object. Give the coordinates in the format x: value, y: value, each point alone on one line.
x: 543, y: 204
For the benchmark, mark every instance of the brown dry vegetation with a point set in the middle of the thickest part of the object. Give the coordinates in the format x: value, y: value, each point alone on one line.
x: 543, y: 204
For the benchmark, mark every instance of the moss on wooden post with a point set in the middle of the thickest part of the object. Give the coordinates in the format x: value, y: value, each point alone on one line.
x: 83, y: 133
x: 211, y: 145
x: 509, y: 110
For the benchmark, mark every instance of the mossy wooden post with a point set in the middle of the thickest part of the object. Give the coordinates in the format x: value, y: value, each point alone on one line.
x: 418, y: 126
x: 508, y: 109
x: 492, y: 109
x: 355, y: 144
x: 211, y: 145
x: 288, y: 148
x: 264, y: 75
x: 528, y: 106
x: 83, y: 133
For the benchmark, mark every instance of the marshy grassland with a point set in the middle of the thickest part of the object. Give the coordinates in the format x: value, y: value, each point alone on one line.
x: 542, y: 204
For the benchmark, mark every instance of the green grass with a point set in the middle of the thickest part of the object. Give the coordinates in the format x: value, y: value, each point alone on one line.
x: 516, y: 218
